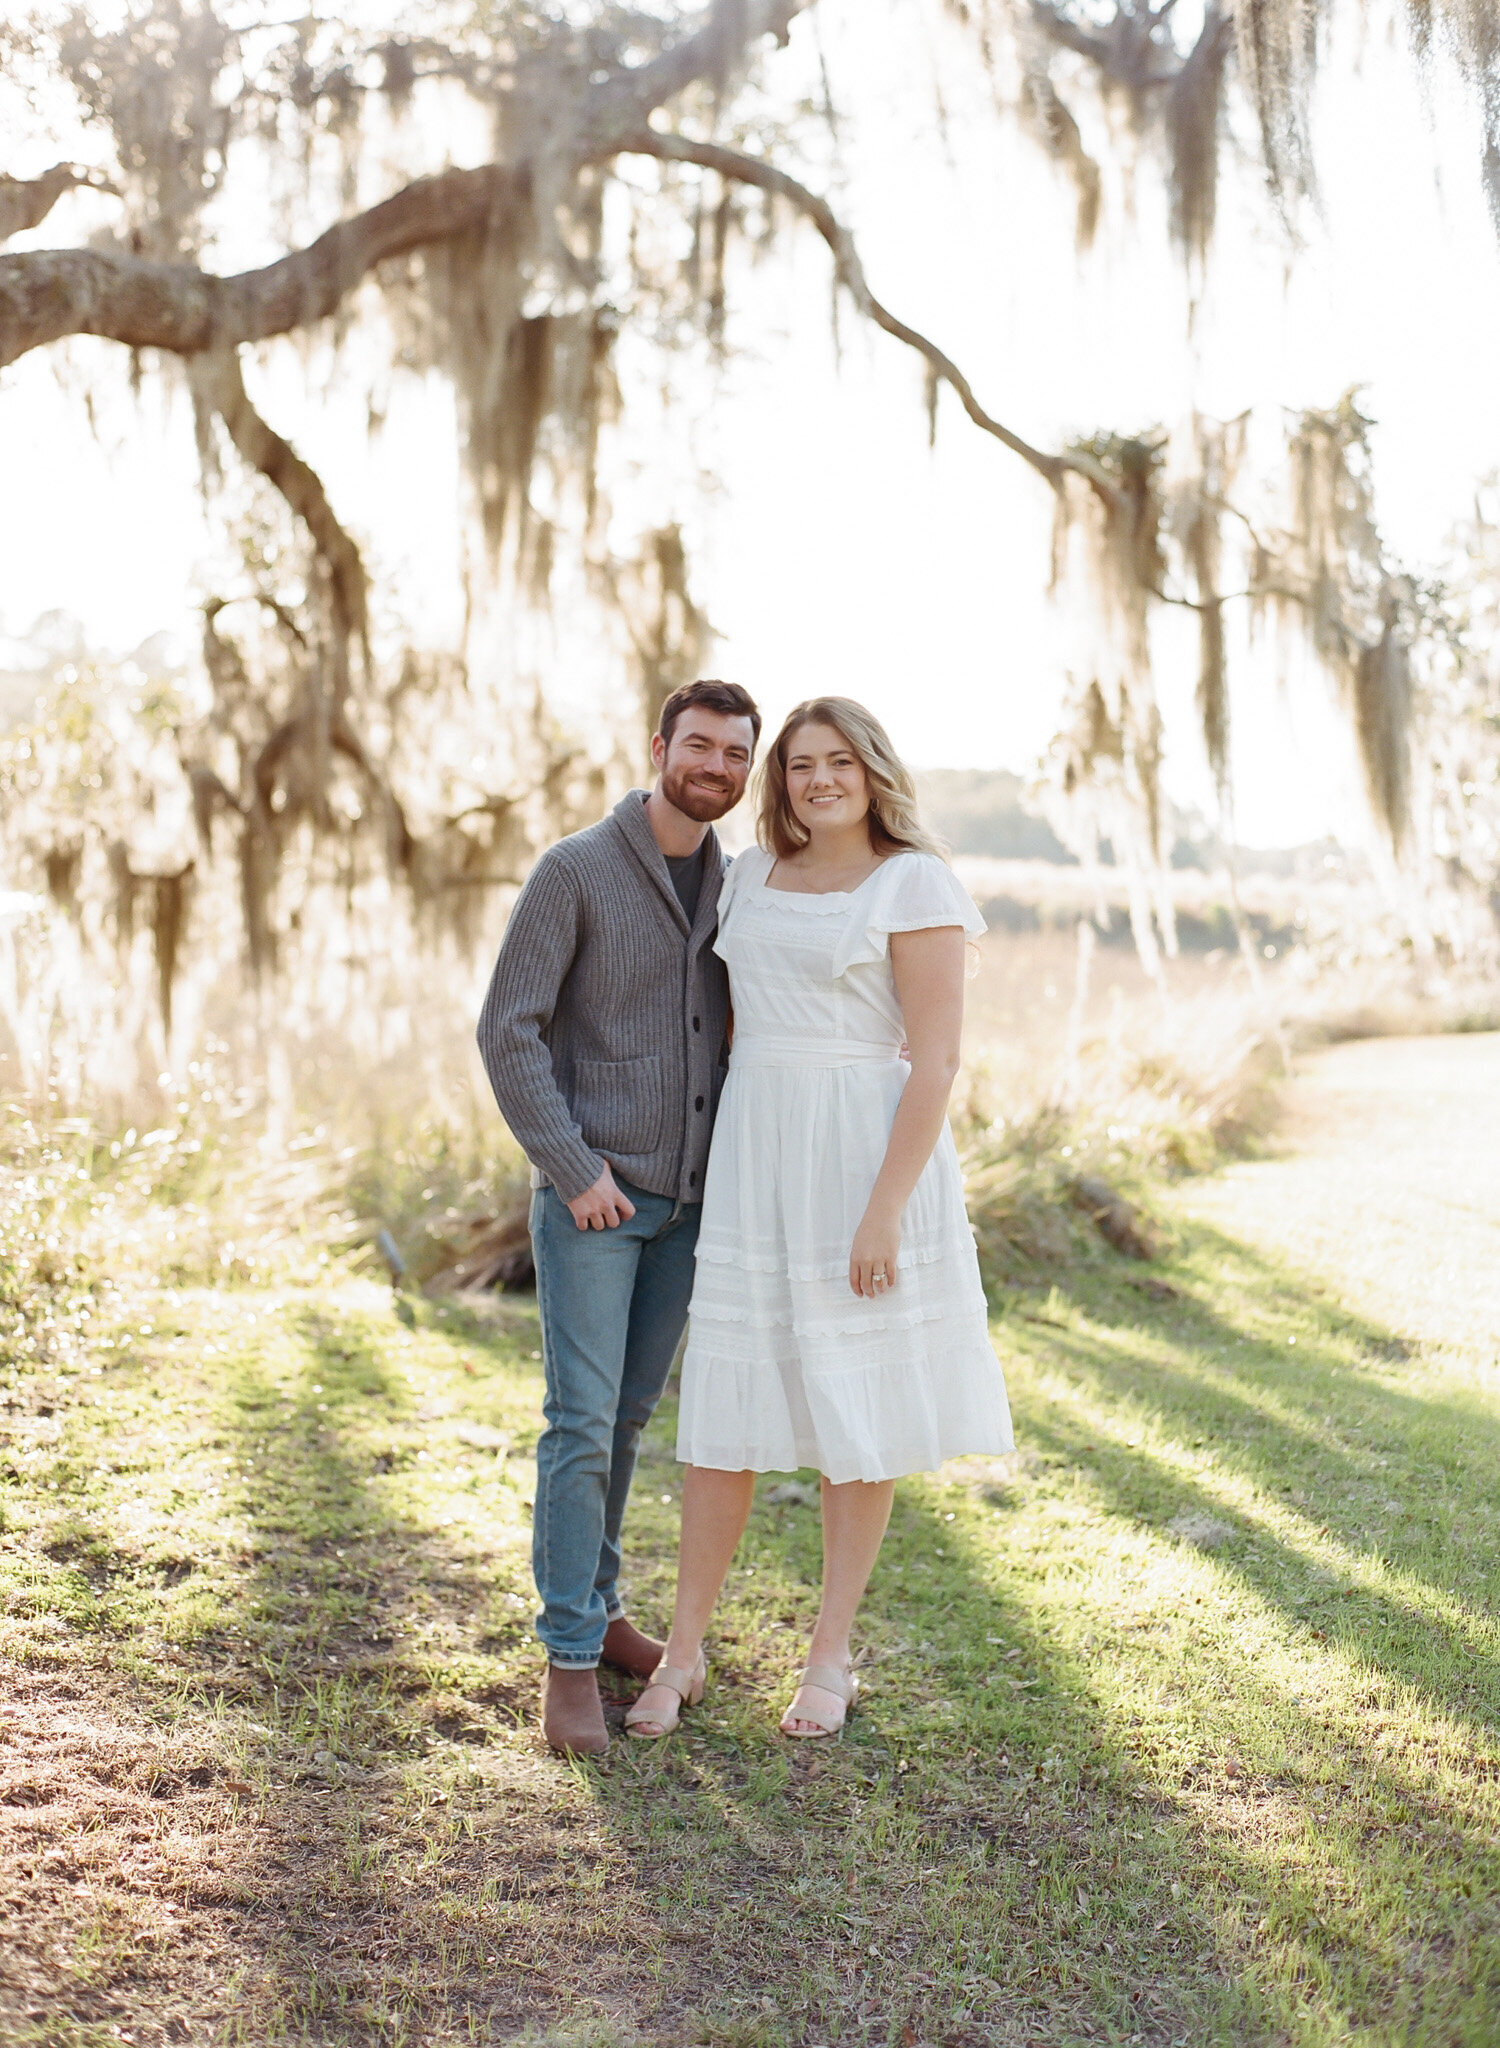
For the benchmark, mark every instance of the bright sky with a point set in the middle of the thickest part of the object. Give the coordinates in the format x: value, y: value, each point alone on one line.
x: 837, y: 551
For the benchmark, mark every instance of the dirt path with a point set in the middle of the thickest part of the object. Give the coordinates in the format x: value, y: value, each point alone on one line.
x: 1387, y: 1184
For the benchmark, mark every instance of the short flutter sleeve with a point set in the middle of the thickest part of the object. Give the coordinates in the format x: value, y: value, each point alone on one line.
x: 912, y: 892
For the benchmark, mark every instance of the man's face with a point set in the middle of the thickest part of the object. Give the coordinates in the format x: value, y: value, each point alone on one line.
x: 705, y: 765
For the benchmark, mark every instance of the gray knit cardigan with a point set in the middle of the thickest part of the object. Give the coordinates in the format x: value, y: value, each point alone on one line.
x: 603, y: 1032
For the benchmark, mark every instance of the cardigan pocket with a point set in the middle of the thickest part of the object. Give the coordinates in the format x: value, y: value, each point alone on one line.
x: 619, y: 1104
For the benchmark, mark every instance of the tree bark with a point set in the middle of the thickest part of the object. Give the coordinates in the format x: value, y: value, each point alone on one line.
x: 52, y: 293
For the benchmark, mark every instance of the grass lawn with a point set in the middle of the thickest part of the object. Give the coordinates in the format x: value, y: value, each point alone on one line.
x: 1179, y: 1728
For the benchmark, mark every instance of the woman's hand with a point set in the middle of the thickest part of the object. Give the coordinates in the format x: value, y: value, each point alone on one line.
x: 872, y: 1259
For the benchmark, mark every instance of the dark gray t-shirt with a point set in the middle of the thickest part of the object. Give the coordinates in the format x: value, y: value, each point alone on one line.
x: 686, y: 871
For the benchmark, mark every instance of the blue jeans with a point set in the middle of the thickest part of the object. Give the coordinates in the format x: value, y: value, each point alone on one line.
x: 613, y: 1307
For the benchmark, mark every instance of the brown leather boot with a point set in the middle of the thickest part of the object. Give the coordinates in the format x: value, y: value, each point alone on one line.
x: 628, y: 1650
x: 572, y: 1717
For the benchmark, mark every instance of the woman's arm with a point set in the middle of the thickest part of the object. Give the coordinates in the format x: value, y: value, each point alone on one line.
x: 929, y: 971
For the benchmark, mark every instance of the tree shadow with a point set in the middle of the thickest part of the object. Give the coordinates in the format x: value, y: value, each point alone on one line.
x: 994, y: 1853
x: 925, y: 1878
x: 372, y: 1878
x: 1036, y: 1866
x: 1383, y: 1482
x: 339, y: 1924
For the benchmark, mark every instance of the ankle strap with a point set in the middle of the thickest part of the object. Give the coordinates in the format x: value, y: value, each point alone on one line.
x: 674, y: 1677
x: 829, y: 1678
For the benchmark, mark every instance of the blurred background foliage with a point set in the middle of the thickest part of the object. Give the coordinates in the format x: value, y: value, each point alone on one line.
x: 251, y: 891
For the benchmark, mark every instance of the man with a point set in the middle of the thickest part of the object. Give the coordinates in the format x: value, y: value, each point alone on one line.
x: 603, y: 1035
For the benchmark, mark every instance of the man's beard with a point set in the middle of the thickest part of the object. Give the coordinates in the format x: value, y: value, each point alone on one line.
x: 702, y: 804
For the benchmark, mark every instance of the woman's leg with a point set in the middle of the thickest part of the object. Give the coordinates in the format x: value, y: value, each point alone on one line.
x: 715, y: 1508
x: 854, y: 1524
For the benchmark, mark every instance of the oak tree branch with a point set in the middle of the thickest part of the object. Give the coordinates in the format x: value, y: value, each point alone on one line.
x: 48, y: 294
x: 751, y: 170
x: 218, y: 380
x: 26, y: 202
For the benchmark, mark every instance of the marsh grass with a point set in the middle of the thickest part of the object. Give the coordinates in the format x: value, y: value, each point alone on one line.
x: 273, y: 1151
x: 1179, y: 1727
x: 1141, y: 1085
x: 204, y: 1178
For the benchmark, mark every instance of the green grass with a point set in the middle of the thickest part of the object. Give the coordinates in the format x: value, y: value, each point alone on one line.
x: 1232, y: 1782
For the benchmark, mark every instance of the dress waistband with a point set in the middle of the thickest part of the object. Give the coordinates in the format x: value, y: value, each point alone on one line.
x: 765, y: 1049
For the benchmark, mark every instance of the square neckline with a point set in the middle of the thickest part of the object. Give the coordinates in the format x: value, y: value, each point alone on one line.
x: 816, y: 894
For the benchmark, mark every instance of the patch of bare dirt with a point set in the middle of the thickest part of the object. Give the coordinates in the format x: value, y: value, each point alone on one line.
x: 142, y: 1881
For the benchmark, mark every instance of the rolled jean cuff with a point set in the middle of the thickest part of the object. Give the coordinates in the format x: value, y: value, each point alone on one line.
x: 573, y: 1663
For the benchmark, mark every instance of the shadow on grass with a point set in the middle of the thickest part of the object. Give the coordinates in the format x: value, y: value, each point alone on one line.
x: 379, y: 1686
x: 938, y: 1874
x: 342, y: 1657
x: 998, y: 1852
x: 1384, y: 1483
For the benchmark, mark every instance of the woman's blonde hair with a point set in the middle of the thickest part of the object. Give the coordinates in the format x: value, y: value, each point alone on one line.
x: 893, y: 823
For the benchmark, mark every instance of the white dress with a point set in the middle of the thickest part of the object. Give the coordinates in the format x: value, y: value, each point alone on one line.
x: 785, y: 1365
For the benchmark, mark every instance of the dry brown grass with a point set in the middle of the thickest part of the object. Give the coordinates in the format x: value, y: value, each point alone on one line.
x: 1140, y: 1084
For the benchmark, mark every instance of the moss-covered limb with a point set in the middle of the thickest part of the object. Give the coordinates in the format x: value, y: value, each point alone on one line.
x: 46, y: 295
x: 219, y: 384
x: 49, y: 294
x: 769, y: 177
x: 26, y: 202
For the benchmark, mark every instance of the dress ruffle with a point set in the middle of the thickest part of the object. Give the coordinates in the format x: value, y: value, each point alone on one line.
x: 925, y: 1394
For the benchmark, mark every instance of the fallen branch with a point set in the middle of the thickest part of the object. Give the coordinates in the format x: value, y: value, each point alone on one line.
x: 1120, y: 1223
x: 498, y: 1254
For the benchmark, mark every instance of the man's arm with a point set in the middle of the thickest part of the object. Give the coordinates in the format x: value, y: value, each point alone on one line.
x: 536, y: 953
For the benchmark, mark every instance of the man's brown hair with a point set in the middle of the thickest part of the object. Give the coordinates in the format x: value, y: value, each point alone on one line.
x: 728, y: 699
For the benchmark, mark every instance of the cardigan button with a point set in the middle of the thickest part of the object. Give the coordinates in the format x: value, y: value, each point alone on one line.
x: 699, y: 1103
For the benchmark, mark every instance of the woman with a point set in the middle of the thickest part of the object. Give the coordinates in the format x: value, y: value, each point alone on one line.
x: 837, y: 1319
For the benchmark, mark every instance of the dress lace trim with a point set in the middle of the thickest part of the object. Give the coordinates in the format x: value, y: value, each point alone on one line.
x: 852, y: 1323
x: 728, y: 1254
x: 914, y: 1358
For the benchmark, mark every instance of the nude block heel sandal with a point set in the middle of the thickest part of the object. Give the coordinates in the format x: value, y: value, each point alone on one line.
x: 844, y: 1687
x: 645, y: 1723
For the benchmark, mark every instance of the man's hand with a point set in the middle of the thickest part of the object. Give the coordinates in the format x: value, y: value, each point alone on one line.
x: 601, y: 1207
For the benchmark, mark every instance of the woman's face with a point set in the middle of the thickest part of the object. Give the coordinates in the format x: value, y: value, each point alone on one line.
x: 826, y: 784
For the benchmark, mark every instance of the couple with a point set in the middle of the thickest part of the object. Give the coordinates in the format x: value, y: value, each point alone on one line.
x: 818, y: 1245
